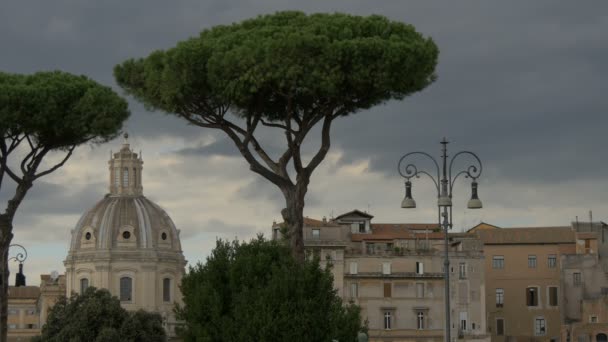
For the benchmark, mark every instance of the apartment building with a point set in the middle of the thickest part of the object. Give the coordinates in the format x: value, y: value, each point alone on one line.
x: 523, y: 280
x: 394, y: 272
x: 584, y: 280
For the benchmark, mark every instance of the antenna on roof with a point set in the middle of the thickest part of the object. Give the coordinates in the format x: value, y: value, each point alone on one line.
x: 331, y: 215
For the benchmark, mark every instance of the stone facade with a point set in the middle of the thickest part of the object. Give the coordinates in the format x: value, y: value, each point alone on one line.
x: 128, y: 245
x: 394, y: 272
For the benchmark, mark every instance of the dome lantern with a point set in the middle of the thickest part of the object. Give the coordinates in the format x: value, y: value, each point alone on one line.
x: 125, y: 171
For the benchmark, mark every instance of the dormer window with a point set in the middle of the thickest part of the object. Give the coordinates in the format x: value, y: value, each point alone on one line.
x: 126, y: 235
x: 87, y: 236
x: 362, y: 227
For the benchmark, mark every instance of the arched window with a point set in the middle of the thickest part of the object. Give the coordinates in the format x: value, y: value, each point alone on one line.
x: 126, y: 289
x: 84, y: 283
x: 167, y: 290
x: 125, y: 177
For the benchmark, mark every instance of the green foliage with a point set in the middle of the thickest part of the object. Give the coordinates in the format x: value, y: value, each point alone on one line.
x: 256, y: 291
x: 285, y: 61
x: 58, y: 110
x: 97, y: 316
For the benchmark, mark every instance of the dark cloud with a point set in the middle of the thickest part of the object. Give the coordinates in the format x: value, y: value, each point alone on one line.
x: 520, y: 83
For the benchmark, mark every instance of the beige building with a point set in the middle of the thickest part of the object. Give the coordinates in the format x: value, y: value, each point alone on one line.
x: 127, y: 244
x: 584, y: 280
x: 28, y: 306
x: 522, y: 278
x: 395, y: 273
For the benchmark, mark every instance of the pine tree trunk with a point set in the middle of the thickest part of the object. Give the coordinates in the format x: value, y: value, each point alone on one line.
x: 293, y: 216
x: 5, y: 240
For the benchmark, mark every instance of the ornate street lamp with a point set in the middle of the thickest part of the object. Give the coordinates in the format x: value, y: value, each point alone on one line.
x: 20, y: 258
x: 444, y: 183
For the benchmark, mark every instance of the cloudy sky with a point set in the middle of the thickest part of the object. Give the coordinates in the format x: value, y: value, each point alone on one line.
x: 520, y: 84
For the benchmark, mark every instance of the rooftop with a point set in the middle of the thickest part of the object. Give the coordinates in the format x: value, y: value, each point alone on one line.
x: 527, y: 235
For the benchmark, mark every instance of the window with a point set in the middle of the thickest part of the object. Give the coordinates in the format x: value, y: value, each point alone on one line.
x: 30, y: 312
x: 354, y: 290
x: 532, y: 296
x: 167, y: 289
x: 420, y: 320
x: 500, y: 327
x: 353, y: 268
x: 552, y: 261
x: 361, y: 227
x: 84, y: 283
x: 13, y: 311
x: 419, y: 290
x: 539, y: 326
x: 463, y: 270
x: 500, y: 297
x: 498, y: 261
x: 531, y: 261
x: 592, y: 319
x: 125, y: 177
x: 576, y: 279
x: 463, y: 321
x: 116, y: 177
x: 126, y: 289
x: 552, y: 296
x: 12, y: 326
x: 316, y: 233
x: 419, y: 267
x: 386, y: 268
x: 31, y: 326
x: 369, y: 247
x: 388, y: 320
x: 387, y: 290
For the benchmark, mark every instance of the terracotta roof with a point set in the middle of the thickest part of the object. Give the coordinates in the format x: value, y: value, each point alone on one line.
x: 410, y: 226
x: 23, y: 292
x: 531, y: 235
x: 308, y: 222
x: 482, y: 226
x: 355, y: 212
x: 586, y: 235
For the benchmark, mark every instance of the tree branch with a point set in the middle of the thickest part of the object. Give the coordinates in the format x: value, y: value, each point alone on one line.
x: 325, y: 144
x: 58, y: 165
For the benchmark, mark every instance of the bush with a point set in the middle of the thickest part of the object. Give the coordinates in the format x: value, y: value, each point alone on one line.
x: 257, y: 291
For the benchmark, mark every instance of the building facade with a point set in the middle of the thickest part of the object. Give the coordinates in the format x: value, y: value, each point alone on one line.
x: 128, y: 245
x: 394, y: 272
x: 523, y: 288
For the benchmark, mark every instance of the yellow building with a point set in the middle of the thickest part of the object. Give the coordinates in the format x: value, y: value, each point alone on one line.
x: 522, y: 278
x: 23, y: 314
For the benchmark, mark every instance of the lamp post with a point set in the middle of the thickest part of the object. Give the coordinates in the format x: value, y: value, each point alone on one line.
x: 444, y: 183
x: 20, y: 258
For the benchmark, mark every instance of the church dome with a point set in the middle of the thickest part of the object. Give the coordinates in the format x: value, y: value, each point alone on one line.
x: 128, y: 245
x: 125, y: 218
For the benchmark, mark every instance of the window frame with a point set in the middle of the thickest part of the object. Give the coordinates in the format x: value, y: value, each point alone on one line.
x: 386, y: 267
x: 120, y: 289
x: 354, y: 266
x: 550, y: 302
x: 499, y: 297
x: 83, y: 285
x: 498, y: 262
x: 540, y: 326
x: 354, y: 290
x: 316, y: 234
x: 420, y: 290
x: 532, y: 261
x: 502, y: 320
x: 576, y: 279
x: 462, y: 270
x: 420, y: 320
x: 388, y: 320
x: 552, y: 261
x: 532, y: 295
x: 167, y: 293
